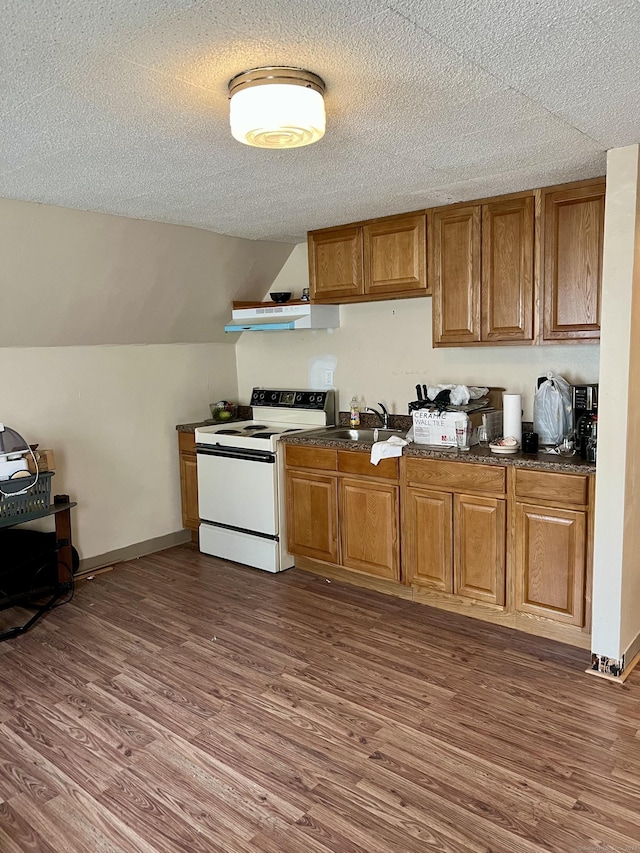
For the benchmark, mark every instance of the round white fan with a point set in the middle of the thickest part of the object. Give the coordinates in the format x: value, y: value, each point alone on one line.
x: 13, y: 462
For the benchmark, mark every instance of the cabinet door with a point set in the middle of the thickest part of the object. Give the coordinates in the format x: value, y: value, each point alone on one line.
x: 335, y: 264
x: 573, y: 240
x: 479, y: 548
x: 507, y: 270
x: 395, y: 257
x: 369, y: 528
x: 427, y: 539
x: 312, y: 516
x: 189, y: 490
x: 455, y: 275
x: 550, y: 562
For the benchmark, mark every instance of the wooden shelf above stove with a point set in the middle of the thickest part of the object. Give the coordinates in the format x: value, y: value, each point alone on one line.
x: 240, y: 305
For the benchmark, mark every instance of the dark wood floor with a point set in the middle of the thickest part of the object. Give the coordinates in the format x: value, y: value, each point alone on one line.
x: 183, y: 704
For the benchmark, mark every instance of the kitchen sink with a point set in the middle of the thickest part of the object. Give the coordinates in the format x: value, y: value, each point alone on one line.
x: 367, y: 435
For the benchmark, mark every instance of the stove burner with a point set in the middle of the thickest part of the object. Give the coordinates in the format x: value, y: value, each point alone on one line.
x: 253, y: 427
x: 263, y: 434
x: 228, y: 432
x: 296, y: 429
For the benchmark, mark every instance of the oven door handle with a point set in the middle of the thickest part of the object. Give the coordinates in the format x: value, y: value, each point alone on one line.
x: 245, y: 454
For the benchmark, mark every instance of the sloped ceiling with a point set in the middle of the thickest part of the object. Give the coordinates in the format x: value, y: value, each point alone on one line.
x: 121, y: 107
x: 72, y: 278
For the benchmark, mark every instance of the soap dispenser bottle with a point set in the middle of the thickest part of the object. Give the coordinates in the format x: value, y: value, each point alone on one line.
x: 354, y: 416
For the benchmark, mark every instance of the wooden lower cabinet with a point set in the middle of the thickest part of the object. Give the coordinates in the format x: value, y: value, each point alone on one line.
x: 427, y: 540
x: 338, y: 516
x: 455, y: 544
x: 509, y: 545
x: 312, y: 516
x: 189, y: 483
x: 550, y: 561
x: 479, y: 548
x: 368, y: 515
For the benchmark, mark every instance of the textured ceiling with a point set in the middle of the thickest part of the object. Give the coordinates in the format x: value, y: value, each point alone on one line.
x: 121, y: 107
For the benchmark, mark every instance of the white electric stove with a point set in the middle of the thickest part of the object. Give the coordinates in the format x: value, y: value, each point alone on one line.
x: 241, y: 476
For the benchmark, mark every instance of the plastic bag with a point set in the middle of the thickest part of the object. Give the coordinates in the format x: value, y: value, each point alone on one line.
x: 552, y: 411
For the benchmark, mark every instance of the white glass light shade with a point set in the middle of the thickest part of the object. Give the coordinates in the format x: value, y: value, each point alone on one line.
x: 277, y: 115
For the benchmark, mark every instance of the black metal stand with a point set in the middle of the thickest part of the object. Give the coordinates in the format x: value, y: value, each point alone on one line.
x: 40, y: 609
x: 55, y: 562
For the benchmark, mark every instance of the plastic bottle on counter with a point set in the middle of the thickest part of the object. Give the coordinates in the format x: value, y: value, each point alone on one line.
x: 354, y: 417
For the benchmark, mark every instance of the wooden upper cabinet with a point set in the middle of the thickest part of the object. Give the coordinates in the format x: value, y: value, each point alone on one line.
x: 335, y: 264
x: 395, y: 256
x: 573, y: 227
x: 482, y: 272
x: 507, y: 270
x: 455, y: 274
x: 488, y: 265
x: 382, y: 259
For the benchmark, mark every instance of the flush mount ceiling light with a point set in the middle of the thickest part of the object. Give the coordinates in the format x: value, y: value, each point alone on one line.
x: 277, y: 107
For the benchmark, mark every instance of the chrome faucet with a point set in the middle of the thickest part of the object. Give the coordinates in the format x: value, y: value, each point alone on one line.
x: 383, y: 415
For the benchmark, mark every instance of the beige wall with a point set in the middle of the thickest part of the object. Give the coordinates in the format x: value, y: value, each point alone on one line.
x: 70, y: 280
x: 616, y: 581
x: 110, y: 413
x: 70, y: 277
x: 382, y: 349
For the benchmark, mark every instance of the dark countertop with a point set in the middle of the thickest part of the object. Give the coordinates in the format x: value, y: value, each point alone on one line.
x: 193, y: 427
x: 539, y: 461
x: 477, y: 454
x: 243, y: 414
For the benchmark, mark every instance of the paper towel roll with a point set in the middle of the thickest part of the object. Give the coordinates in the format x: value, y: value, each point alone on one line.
x: 512, y: 416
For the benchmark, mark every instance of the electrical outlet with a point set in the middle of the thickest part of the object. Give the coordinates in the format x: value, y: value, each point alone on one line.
x: 328, y: 377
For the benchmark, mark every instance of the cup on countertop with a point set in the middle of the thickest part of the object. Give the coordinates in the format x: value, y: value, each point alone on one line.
x: 463, y: 434
x: 567, y: 446
x: 529, y: 442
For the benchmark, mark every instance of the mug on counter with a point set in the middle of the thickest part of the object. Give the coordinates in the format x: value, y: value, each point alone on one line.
x: 529, y: 442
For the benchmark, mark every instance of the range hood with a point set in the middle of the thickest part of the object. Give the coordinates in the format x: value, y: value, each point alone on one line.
x: 268, y: 317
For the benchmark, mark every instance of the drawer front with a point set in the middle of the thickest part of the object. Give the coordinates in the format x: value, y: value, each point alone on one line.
x: 455, y: 476
x: 353, y: 462
x: 187, y: 442
x: 551, y: 486
x: 320, y: 458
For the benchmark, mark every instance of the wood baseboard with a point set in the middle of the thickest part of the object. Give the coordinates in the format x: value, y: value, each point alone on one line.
x: 618, y: 679
x: 387, y: 587
x: 90, y: 573
x: 138, y: 549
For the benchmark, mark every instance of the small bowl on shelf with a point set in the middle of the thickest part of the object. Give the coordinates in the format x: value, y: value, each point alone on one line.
x: 280, y: 296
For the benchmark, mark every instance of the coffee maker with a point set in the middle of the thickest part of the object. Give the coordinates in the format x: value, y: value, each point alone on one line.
x: 584, y: 399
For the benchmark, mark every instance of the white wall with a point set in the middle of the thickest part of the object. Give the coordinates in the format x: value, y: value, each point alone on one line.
x: 616, y: 579
x: 383, y: 349
x: 110, y: 414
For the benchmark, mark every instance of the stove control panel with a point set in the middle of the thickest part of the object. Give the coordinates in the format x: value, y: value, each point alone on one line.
x: 281, y: 398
